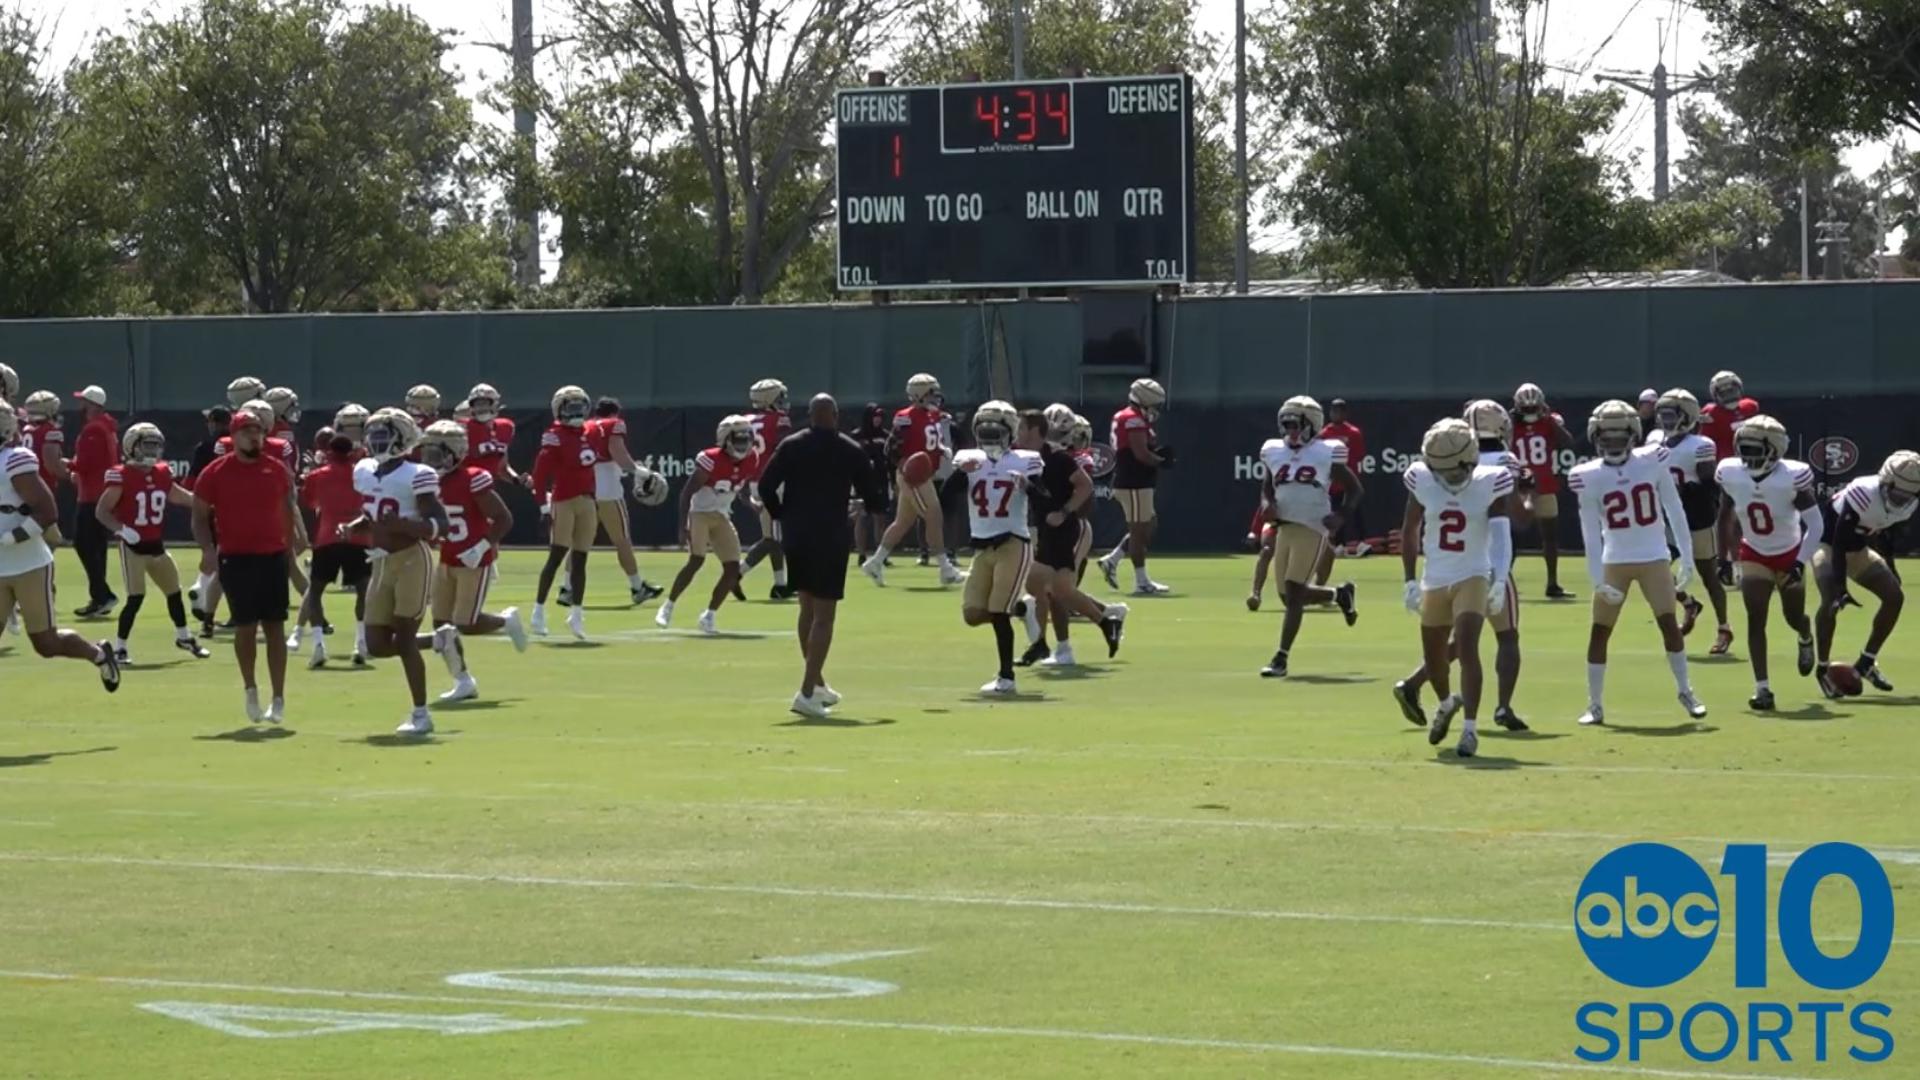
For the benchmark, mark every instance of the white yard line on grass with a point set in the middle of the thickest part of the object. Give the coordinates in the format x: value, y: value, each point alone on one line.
x: 1184, y: 1042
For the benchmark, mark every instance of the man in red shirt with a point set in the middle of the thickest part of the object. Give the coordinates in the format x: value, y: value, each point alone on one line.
x: 1727, y: 408
x: 1353, y: 530
x: 916, y: 430
x: 563, y: 482
x: 1138, y: 457
x: 328, y: 492
x: 96, y: 451
x: 250, y: 496
x: 133, y: 507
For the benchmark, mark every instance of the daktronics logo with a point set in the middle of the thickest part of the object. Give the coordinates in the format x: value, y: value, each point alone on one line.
x: 1648, y: 916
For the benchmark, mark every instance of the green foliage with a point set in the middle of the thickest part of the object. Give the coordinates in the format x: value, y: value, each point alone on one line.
x: 1824, y: 67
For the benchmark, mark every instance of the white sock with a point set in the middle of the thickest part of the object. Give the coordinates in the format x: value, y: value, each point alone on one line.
x: 181, y: 633
x: 1596, y: 683
x: 707, y: 614
x: 1119, y: 549
x: 1760, y: 686
x: 780, y: 577
x: 1472, y: 725
x: 360, y: 637
x: 119, y: 644
x: 1140, y: 576
x: 1678, y: 662
x: 456, y: 663
x: 539, y: 611
x: 202, y: 583
x: 633, y: 582
x: 880, y: 553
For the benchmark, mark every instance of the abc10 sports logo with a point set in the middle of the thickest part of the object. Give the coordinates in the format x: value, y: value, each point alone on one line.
x: 1648, y: 916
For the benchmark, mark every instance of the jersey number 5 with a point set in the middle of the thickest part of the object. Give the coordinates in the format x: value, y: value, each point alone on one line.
x: 1625, y: 510
x: 456, y: 524
x: 983, y: 503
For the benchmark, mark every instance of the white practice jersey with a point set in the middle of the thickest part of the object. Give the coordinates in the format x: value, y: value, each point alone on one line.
x: 1454, y: 535
x: 34, y: 554
x: 1868, y: 502
x: 1301, y: 478
x: 1769, y: 522
x: 997, y: 491
x: 1692, y: 451
x: 1503, y: 459
x: 1630, y: 502
x: 399, y: 489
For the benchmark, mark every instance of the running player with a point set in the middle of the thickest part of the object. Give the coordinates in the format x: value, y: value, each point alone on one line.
x: 1300, y: 466
x: 1628, y: 507
x: 1677, y: 413
x: 1060, y: 497
x: 1469, y: 550
x: 1861, y: 515
x: 706, y: 516
x: 143, y: 485
x: 770, y: 425
x: 1539, y: 435
x: 477, y: 521
x: 998, y: 474
x: 1138, y: 459
x: 1771, y: 499
x: 916, y: 430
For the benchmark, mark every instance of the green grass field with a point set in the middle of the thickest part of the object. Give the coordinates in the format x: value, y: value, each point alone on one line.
x: 1157, y: 866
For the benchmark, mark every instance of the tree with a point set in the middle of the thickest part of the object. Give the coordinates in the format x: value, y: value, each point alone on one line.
x: 313, y: 156
x: 1826, y: 67
x: 56, y: 256
x: 1428, y: 155
x: 751, y: 84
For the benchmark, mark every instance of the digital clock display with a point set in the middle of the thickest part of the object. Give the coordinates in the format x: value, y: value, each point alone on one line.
x: 1006, y: 116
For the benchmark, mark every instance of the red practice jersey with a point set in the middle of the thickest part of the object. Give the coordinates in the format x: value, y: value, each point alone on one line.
x: 1533, y: 444
x: 1717, y: 422
x: 280, y: 450
x: 769, y: 428
x: 328, y: 491
x: 565, y: 464
x: 467, y: 523
x: 599, y: 434
x: 46, y: 440
x: 143, y: 498
x: 919, y: 428
x: 487, y: 444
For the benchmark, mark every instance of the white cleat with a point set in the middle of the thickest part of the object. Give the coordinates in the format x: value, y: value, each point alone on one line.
x: 952, y: 575
x: 1109, y: 569
x: 1691, y: 702
x: 293, y: 640
x: 1469, y: 744
x: 1000, y: 687
x: 1443, y: 718
x: 875, y: 569
x: 826, y: 695
x: 1062, y: 656
x: 319, y: 658
x: 515, y: 629
x: 1151, y: 588
x: 706, y: 623
x: 420, y: 723
x: 276, y: 710
x: 123, y: 658
x: 255, y: 714
x: 1032, y: 618
x: 539, y: 625
x: 464, y: 689
x: 577, y: 624
x: 811, y: 706
x: 1593, y: 717
x: 663, y: 618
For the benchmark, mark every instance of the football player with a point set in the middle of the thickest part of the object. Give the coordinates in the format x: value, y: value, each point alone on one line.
x: 423, y: 404
x: 339, y: 556
x: 998, y: 473
x: 1493, y: 430
x: 1080, y: 444
x: 706, y: 516
x: 563, y: 482
x: 1539, y: 434
x: 606, y: 434
x: 1138, y: 459
x: 1469, y: 550
x: 27, y: 511
x: 489, y: 435
x: 1862, y: 514
x: 477, y: 521
x: 350, y: 423
x: 286, y: 413
x: 9, y: 383
x: 403, y: 516
x: 144, y: 485
x: 770, y: 425
x: 1727, y: 406
x: 1771, y: 500
x: 284, y: 450
x: 1628, y: 507
x: 916, y: 429
x: 244, y: 389
x: 1061, y: 495
x: 1300, y: 466
x: 1677, y: 414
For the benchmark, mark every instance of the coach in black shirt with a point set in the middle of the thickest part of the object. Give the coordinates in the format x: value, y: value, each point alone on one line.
x: 806, y: 487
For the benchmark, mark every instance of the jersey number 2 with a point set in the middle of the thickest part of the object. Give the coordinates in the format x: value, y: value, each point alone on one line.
x: 1452, y: 524
x: 983, y: 503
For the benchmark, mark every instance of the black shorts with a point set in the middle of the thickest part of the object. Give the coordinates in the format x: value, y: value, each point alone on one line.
x: 1055, y: 547
x: 818, y: 566
x: 255, y: 587
x: 345, y: 563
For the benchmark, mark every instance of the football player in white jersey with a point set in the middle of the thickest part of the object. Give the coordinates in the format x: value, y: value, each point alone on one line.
x: 1300, y: 466
x: 1493, y: 429
x: 1677, y: 412
x: 402, y: 517
x: 998, y: 473
x: 1780, y: 529
x: 1861, y: 514
x: 1628, y: 507
x: 1468, y: 544
x: 27, y: 511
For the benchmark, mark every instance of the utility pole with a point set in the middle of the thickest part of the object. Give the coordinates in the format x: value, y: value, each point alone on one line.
x: 526, y: 263
x: 1019, y: 39
x: 1240, y: 253
x: 1662, y: 89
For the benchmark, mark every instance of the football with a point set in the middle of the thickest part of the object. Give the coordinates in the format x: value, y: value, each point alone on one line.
x: 1844, y: 679
x: 918, y: 468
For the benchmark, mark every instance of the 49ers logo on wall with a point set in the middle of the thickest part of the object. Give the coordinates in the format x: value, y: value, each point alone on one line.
x: 1833, y: 454
x: 1102, y: 455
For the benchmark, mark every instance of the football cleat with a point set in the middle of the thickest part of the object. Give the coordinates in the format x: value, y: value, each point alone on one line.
x: 1253, y: 601
x: 1761, y: 701
x: 1000, y: 686
x: 1593, y: 716
x: 577, y: 623
x: 873, y: 569
x: 1870, y: 674
x: 1825, y: 683
x: 293, y: 640
x: 1345, y: 596
x: 1408, y: 697
x: 827, y: 695
x: 1508, y: 720
x: 539, y: 625
x: 255, y: 714
x: 1113, y: 627
x: 359, y: 659
x: 191, y: 647
x: 565, y: 596
x: 810, y: 706
x: 1555, y: 592
x: 276, y: 710
x: 1062, y: 657
x: 1691, y: 702
x: 516, y: 630
x: 122, y: 657
x: 1722, y: 642
x: 1150, y: 587
x: 1443, y: 718
x: 1030, y: 614
x: 1277, y: 667
x: 464, y: 688
x: 1035, y: 653
x: 1110, y: 569
x: 1469, y: 744
x: 647, y: 591
x: 706, y: 623
x: 663, y: 618
x: 1805, y: 659
x: 952, y: 575
x: 109, y: 667
x: 319, y: 658
x: 1693, y: 608
x: 739, y: 593
x: 420, y: 723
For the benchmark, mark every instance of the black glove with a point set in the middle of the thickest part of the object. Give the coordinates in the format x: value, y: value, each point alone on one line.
x: 1794, y: 575
x: 1166, y: 456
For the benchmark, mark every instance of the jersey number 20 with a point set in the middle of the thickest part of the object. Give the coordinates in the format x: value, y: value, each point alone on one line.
x: 1627, y: 509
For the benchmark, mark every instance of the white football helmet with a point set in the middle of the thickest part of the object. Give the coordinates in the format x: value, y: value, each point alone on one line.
x: 1529, y: 402
x: 286, y: 404
x: 1760, y: 441
x: 1677, y: 412
x: 1489, y: 420
x: 1059, y: 423
x: 42, y: 406
x: 993, y: 426
x: 924, y: 389
x: 571, y: 406
x: 1726, y: 388
x: 9, y: 424
x: 1082, y: 433
x: 734, y: 437
x: 1147, y: 396
x: 351, y: 422
x: 143, y: 444
x: 391, y: 433
x: 463, y: 412
x: 244, y: 389
x: 1614, y: 431
x: 772, y: 394
x: 423, y: 403
x: 443, y: 446
x: 1300, y: 420
x: 650, y: 489
x: 1900, y: 478
x: 484, y: 402
x: 1451, y: 450
x: 9, y: 384
x: 255, y: 413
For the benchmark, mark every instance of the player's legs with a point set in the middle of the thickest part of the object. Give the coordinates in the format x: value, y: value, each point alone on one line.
x: 1656, y: 585
x: 32, y: 594
x: 133, y: 579
x: 816, y: 639
x: 1262, y: 564
x: 1756, y: 590
x: 1466, y: 646
x: 1546, y: 515
x: 556, y: 555
x: 685, y: 577
x: 399, y: 598
x: 1826, y: 616
x: 914, y: 503
x: 296, y: 577
x: 729, y: 575
x: 1435, y: 668
x: 1878, y: 578
x: 612, y: 516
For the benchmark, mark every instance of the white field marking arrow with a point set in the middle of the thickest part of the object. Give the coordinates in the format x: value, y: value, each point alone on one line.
x: 834, y: 959
x: 303, y: 1023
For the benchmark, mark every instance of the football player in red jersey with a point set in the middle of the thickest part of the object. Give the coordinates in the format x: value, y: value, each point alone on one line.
x: 606, y: 433
x: 143, y: 485
x: 1137, y: 461
x: 1727, y: 405
x: 286, y: 413
x: 770, y: 425
x: 42, y: 435
x: 423, y: 404
x: 477, y: 522
x: 338, y: 557
x: 563, y: 482
x: 490, y: 435
x: 916, y: 430
x: 350, y: 423
x: 1539, y: 434
x: 706, y: 516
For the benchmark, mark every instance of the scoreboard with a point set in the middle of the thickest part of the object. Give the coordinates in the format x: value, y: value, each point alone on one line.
x: 1001, y: 185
